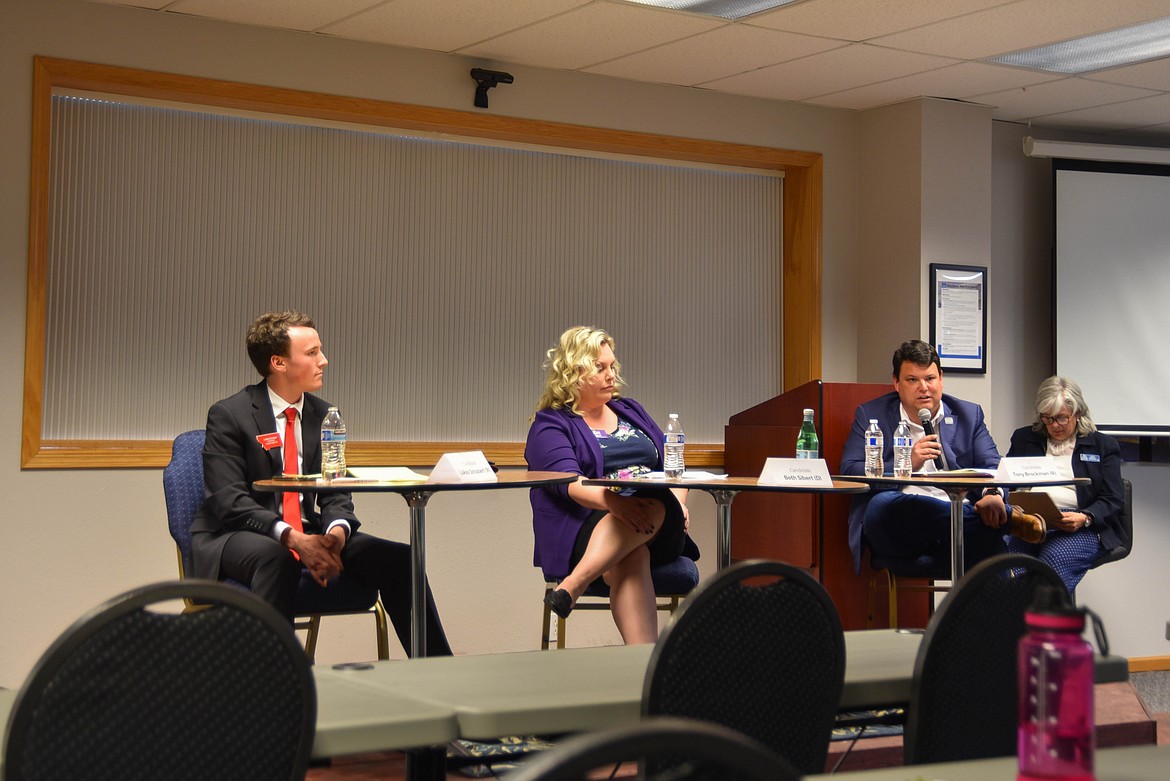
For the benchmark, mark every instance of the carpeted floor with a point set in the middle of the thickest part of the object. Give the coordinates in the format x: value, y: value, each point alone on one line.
x: 1154, y: 689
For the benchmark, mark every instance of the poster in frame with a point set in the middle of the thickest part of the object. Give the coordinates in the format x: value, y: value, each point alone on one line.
x: 958, y: 317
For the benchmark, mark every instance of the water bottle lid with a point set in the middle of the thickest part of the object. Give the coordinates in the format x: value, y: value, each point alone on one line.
x: 672, y: 415
x: 1051, y: 610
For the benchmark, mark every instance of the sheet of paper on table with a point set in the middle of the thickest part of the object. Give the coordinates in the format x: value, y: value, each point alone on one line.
x: 387, y: 474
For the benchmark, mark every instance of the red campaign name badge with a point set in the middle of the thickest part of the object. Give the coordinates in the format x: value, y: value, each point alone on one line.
x: 268, y: 441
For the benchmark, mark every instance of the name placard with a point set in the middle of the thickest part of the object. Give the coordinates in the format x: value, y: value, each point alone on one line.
x: 468, y: 467
x: 796, y: 471
x: 1027, y: 469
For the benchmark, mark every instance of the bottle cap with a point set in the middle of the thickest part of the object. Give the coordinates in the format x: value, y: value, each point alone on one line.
x: 672, y: 415
x: 808, y: 412
x: 1051, y: 610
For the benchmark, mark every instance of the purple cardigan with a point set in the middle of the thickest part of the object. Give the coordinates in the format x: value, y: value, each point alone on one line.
x: 559, y: 441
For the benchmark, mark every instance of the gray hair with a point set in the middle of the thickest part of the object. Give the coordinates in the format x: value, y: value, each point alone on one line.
x: 1056, y: 393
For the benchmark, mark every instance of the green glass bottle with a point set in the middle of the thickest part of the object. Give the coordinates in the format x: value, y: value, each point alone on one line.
x: 807, y: 444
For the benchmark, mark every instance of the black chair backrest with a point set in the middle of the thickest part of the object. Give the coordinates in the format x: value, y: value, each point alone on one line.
x: 963, y: 695
x: 688, y: 749
x: 1125, y: 518
x: 757, y: 648
x: 183, y: 489
x: 130, y: 692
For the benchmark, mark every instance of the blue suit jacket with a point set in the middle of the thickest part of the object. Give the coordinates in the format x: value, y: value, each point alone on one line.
x: 1098, y: 457
x: 965, y: 440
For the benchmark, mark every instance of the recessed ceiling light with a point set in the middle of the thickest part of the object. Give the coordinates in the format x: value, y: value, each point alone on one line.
x: 1128, y: 45
x: 726, y: 9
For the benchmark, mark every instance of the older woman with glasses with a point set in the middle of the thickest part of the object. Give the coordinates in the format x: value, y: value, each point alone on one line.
x: 1088, y: 522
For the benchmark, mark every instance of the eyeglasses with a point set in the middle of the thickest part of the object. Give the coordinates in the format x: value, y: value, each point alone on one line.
x: 1059, y: 420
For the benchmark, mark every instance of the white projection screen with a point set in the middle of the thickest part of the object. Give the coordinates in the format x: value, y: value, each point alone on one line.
x: 1112, y: 291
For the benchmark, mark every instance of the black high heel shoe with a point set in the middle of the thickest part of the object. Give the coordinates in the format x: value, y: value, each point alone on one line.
x: 560, y: 602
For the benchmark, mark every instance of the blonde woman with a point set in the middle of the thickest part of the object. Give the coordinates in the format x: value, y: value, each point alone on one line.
x: 583, y: 425
x: 1088, y: 520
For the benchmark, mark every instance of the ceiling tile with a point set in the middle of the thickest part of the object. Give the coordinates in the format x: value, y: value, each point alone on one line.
x: 1117, y: 116
x: 1154, y: 75
x: 291, y: 14
x: 1022, y: 25
x: 954, y: 81
x: 445, y: 25
x: 860, y: 20
x: 592, y: 34
x: 850, y: 66
x: 1051, y: 97
x: 151, y: 4
x: 715, y: 54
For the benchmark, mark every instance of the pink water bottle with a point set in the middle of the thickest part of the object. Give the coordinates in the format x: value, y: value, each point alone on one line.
x: 1056, y: 735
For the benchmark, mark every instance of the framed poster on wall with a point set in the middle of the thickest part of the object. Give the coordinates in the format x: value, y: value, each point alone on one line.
x: 958, y: 317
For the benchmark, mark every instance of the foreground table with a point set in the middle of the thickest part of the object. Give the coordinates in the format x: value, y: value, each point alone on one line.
x: 724, y: 490
x: 956, y: 487
x: 1130, y: 763
x: 416, y: 494
x: 578, y: 689
x: 353, y: 718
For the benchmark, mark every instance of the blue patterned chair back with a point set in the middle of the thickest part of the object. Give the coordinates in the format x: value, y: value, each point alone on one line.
x: 183, y: 488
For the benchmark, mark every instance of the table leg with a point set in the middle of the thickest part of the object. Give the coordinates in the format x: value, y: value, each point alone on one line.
x: 723, y: 498
x: 426, y: 764
x: 417, y: 501
x: 956, y: 495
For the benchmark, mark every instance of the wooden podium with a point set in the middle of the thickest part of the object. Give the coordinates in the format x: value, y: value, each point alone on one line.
x: 810, y: 531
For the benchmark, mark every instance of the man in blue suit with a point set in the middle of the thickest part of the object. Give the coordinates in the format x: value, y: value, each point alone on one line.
x: 914, y: 522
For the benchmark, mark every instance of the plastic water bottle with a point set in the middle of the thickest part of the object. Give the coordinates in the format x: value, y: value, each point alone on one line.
x: 903, y: 444
x: 1056, y: 735
x: 807, y: 444
x: 332, y: 445
x: 875, y: 446
x: 673, y: 440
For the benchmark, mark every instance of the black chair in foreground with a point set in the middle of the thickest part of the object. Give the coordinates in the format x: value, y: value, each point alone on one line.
x: 757, y: 648
x: 183, y: 489
x: 963, y: 695
x: 681, y: 748
x: 129, y: 692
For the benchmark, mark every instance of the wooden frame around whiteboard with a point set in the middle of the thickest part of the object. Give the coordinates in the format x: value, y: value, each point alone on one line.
x: 802, y: 233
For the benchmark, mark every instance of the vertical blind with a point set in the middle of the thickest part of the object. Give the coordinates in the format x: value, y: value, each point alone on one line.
x: 438, y: 272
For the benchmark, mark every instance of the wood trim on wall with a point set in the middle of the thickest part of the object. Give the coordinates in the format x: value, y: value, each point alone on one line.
x: 802, y: 225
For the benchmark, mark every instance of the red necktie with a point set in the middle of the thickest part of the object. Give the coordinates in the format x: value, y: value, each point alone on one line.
x: 292, y: 499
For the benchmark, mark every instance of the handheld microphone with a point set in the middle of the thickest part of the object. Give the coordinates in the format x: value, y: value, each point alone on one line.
x: 928, y: 429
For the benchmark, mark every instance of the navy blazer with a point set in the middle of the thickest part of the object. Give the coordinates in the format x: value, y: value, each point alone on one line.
x: 1097, y: 456
x: 964, y: 435
x: 233, y: 459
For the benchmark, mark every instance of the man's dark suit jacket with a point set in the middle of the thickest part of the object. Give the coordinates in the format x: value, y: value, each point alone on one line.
x: 965, y: 440
x: 1098, y: 457
x: 233, y: 459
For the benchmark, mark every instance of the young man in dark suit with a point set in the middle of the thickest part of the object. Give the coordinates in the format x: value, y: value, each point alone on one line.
x: 266, y: 539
